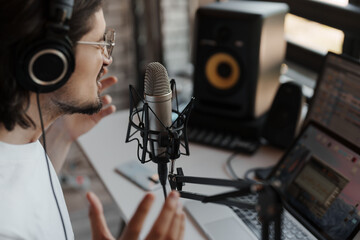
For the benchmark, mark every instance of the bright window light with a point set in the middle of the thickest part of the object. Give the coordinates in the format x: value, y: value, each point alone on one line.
x: 313, y: 35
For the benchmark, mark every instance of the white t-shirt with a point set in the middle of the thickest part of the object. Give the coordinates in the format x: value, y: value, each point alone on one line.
x: 27, y: 206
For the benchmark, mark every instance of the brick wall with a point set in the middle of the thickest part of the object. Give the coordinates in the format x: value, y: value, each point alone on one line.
x: 118, y: 15
x: 176, y: 34
x: 177, y: 28
x: 176, y: 18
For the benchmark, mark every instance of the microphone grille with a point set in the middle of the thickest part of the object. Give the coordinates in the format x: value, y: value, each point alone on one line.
x: 156, y: 80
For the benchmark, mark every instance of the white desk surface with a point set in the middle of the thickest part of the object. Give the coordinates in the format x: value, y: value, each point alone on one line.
x: 105, y: 148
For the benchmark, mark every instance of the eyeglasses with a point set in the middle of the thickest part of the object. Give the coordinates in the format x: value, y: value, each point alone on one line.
x: 107, y: 45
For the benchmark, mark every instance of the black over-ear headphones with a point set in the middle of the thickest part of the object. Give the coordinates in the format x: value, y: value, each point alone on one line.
x: 46, y: 64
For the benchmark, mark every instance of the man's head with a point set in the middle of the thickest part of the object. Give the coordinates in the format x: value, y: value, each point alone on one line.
x: 22, y: 22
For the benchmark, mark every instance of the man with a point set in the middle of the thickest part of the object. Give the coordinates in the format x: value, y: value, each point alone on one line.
x: 31, y: 201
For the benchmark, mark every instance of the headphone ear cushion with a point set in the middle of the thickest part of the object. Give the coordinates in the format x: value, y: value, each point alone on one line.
x: 45, y: 66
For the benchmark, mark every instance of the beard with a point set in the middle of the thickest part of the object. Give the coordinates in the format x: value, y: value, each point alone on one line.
x: 73, y: 107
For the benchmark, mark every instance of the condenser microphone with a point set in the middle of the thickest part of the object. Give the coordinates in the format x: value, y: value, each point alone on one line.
x: 159, y: 138
x: 158, y: 95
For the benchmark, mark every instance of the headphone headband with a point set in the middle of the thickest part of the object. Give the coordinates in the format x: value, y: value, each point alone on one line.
x: 60, y: 12
x: 47, y: 63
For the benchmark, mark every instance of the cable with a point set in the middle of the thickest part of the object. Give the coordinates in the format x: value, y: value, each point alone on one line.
x: 162, y: 171
x: 232, y: 172
x: 164, y: 190
x: 261, y: 173
x: 229, y: 167
x: 247, y: 173
x: 47, y: 163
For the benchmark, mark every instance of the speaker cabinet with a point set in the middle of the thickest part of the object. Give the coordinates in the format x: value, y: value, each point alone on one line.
x: 238, y: 50
x: 283, y: 120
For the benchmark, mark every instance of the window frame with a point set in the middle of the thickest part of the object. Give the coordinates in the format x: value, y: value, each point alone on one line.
x: 323, y: 13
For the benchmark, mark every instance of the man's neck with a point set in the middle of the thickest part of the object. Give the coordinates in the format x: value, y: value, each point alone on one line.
x: 20, y: 135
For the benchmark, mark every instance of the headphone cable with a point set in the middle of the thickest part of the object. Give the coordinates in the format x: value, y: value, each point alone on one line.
x: 47, y: 163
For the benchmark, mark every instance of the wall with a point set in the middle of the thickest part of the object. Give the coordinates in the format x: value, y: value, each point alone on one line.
x: 118, y: 15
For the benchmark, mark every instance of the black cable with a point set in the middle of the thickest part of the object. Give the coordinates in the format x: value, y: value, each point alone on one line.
x: 47, y: 163
x: 229, y: 167
x: 261, y: 173
x: 162, y: 171
x: 164, y: 190
x: 232, y: 172
x: 247, y: 173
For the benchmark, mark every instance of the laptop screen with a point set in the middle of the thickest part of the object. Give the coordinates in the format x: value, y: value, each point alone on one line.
x: 336, y: 102
x: 320, y: 177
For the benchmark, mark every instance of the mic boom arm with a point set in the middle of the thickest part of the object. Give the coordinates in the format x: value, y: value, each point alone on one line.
x: 269, y: 205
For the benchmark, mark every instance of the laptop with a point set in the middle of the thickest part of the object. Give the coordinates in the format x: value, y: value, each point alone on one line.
x: 319, y: 173
x: 336, y: 100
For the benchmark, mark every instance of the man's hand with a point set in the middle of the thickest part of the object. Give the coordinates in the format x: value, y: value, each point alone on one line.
x: 170, y: 223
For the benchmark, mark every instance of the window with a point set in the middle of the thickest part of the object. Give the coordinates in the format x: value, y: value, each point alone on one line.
x: 315, y: 36
x: 335, y: 19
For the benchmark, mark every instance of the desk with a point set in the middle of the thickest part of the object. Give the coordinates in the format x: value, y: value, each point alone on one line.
x: 105, y: 148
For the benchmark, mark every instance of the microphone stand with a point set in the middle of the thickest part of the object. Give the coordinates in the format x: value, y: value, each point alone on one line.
x: 268, y: 206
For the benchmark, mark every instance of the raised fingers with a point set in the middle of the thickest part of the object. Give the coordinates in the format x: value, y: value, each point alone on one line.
x: 106, y: 99
x: 162, y: 224
x: 177, y: 227
x: 106, y: 110
x: 99, y: 228
x: 107, y: 82
x: 132, y: 230
x: 182, y: 228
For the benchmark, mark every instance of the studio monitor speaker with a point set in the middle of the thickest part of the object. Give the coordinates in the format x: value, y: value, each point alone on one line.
x: 239, y: 47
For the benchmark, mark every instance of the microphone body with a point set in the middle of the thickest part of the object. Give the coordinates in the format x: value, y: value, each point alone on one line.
x: 158, y: 95
x: 160, y: 139
x: 161, y: 105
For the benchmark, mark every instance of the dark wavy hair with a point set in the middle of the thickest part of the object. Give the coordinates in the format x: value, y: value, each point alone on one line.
x: 21, y: 22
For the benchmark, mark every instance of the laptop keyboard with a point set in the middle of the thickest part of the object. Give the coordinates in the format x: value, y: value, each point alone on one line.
x: 290, y: 230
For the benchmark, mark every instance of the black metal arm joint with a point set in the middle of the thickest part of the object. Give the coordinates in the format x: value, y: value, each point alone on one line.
x: 180, y: 178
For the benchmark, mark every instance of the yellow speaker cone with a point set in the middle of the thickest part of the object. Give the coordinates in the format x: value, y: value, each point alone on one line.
x: 222, y: 71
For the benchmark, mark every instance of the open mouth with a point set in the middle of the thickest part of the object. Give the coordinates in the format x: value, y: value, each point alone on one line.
x: 99, y: 84
x: 99, y: 76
